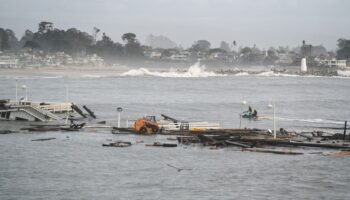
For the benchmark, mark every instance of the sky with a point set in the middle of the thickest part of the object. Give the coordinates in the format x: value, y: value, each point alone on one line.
x: 263, y: 23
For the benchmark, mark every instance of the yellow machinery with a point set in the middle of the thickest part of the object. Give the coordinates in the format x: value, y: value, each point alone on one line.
x: 146, y: 125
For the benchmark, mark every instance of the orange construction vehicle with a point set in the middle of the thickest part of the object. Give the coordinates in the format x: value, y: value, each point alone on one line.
x: 146, y: 125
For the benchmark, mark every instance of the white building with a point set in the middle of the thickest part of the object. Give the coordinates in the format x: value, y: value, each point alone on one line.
x: 182, y: 55
x: 335, y: 63
x: 156, y: 55
x: 8, y: 62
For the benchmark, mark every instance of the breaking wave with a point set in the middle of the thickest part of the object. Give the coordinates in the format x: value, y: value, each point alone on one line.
x: 91, y: 76
x: 272, y: 73
x: 242, y: 74
x: 344, y: 73
x: 195, y: 71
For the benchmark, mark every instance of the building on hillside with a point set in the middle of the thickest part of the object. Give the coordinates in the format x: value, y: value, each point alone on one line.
x: 284, y: 59
x: 8, y: 61
x: 156, y: 55
x: 219, y: 56
x: 181, y: 56
x: 335, y: 63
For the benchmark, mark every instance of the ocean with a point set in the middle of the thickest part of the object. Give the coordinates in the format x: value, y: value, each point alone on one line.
x: 76, y: 166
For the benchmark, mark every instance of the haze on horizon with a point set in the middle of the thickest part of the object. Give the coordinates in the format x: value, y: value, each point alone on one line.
x: 262, y: 22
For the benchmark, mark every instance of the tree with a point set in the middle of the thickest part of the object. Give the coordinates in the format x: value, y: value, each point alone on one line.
x: 225, y: 46
x: 271, y: 56
x: 247, y: 54
x: 344, y: 49
x: 31, y: 45
x: 246, y: 51
x: 132, y: 46
x: 45, y: 26
x: 28, y: 36
x: 200, y: 45
x: 107, y: 49
x: 4, y: 40
x: 234, y: 43
x: 12, y: 39
x: 129, y: 38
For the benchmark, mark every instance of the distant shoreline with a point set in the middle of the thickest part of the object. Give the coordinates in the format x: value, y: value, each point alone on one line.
x: 66, y: 70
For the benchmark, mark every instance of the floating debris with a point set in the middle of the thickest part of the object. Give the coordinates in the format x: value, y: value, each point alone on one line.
x: 117, y: 144
x: 177, y: 168
x: 44, y: 139
x: 158, y: 144
x: 7, y: 131
x: 274, y: 151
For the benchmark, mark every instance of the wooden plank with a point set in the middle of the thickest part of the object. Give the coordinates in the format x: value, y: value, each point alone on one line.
x: 274, y: 151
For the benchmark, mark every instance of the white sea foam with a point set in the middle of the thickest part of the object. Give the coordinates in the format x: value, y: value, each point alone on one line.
x: 49, y: 77
x: 268, y: 73
x: 91, y: 76
x: 345, y: 73
x: 195, y: 71
x: 318, y: 121
x: 242, y: 74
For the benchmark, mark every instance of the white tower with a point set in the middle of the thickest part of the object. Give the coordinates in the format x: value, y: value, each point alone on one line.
x: 303, y: 65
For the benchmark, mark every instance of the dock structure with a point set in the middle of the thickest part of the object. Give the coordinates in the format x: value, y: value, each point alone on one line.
x: 27, y: 113
x: 57, y: 107
x: 32, y: 111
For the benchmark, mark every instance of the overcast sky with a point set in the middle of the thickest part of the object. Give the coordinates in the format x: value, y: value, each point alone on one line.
x: 261, y: 22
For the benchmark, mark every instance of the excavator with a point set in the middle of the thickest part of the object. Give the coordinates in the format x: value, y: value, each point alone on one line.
x: 146, y: 125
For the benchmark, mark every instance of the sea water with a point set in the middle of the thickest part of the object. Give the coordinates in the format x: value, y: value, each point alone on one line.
x: 76, y: 166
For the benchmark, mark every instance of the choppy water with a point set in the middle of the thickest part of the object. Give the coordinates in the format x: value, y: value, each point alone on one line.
x: 76, y: 166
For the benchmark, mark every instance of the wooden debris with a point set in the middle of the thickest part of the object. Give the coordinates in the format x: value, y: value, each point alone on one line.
x: 117, y: 130
x: 274, y: 151
x: 237, y: 144
x: 117, y: 144
x: 6, y: 131
x: 92, y: 114
x: 177, y: 168
x: 44, y: 139
x: 77, y: 109
x: 340, y: 153
x: 158, y: 144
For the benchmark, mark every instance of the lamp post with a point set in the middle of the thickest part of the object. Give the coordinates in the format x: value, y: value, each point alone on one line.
x: 16, y: 91
x: 240, y: 114
x: 274, y: 118
x: 119, y: 110
x: 24, y: 87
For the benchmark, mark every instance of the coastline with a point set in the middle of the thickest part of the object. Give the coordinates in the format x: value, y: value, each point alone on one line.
x: 117, y: 70
x: 66, y: 71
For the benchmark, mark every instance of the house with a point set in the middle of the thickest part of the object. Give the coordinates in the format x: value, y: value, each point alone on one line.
x: 335, y: 63
x: 284, y: 59
x: 8, y: 61
x: 181, y: 56
x: 156, y: 55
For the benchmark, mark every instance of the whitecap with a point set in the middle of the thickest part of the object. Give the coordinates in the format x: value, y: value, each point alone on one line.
x: 195, y: 71
x: 344, y: 73
x: 242, y: 74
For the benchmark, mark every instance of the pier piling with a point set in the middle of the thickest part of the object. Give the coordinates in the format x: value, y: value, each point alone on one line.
x: 344, y: 136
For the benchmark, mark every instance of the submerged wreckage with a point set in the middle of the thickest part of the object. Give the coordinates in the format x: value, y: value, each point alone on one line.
x: 205, y: 133
x: 42, y: 112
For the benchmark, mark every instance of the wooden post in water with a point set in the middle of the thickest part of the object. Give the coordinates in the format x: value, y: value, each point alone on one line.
x: 344, y: 136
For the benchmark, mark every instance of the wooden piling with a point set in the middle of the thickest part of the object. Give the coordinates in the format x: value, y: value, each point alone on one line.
x: 345, y: 130
x: 92, y: 114
x: 77, y: 109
